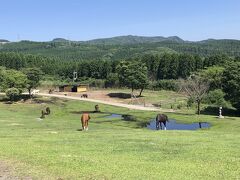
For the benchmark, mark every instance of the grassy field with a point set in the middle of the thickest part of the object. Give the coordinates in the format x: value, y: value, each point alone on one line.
x: 113, y: 148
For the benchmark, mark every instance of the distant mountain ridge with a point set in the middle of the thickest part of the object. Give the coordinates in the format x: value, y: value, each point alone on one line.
x: 130, y: 39
x: 59, y: 40
x: 123, y: 47
x: 4, y: 41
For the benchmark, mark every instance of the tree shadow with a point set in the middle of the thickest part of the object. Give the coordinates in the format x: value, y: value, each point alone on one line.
x: 120, y: 95
x: 90, y: 112
x: 211, y: 110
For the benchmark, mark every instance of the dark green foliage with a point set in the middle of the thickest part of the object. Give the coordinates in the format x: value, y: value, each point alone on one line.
x: 213, y: 75
x: 164, y: 66
x: 216, y: 97
x: 112, y: 80
x: 152, y: 63
x: 186, y: 65
x: 12, y: 79
x: 125, y: 40
x: 190, y: 102
x: 12, y: 93
x: 122, y: 47
x: 133, y: 74
x: 214, y: 110
x: 163, y: 85
x: 34, y: 76
x: 214, y: 60
x: 231, y: 83
x: 97, y: 83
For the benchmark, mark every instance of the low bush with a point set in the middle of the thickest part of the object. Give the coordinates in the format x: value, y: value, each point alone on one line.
x: 163, y: 85
x: 13, y: 94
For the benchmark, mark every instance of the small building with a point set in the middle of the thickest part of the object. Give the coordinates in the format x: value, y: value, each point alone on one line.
x: 74, y: 88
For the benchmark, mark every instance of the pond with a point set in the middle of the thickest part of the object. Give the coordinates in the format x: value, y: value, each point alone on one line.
x: 114, y: 116
x: 125, y: 117
x: 171, y: 124
x: 174, y: 125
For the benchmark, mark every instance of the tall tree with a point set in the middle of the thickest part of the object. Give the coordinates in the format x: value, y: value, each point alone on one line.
x: 214, y: 76
x: 34, y: 76
x: 133, y: 75
x: 231, y: 83
x: 12, y: 79
x: 196, y: 89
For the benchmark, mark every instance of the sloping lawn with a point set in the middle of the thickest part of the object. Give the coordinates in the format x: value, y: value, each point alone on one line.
x: 54, y: 148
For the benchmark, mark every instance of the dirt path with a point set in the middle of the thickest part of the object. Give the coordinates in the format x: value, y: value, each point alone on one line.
x: 6, y: 173
x: 108, y: 103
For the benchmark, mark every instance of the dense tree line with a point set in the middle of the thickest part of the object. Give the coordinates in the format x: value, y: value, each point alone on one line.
x: 174, y: 66
x: 98, y: 69
x: 165, y: 66
x: 14, y: 82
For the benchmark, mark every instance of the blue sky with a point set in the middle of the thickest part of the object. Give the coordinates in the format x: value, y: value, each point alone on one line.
x: 43, y: 20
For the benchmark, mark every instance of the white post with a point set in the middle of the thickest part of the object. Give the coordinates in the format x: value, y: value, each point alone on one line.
x: 74, y: 76
x: 220, y: 113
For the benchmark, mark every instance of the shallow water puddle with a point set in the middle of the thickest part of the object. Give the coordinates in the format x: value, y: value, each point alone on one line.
x: 174, y: 125
x: 114, y: 116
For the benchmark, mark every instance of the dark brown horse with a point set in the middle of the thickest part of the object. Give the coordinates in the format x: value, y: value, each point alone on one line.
x: 84, y: 96
x: 161, y: 118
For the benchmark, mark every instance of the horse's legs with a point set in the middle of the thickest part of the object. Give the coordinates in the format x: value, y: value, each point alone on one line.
x: 165, y: 127
x: 86, y: 125
x: 157, y: 125
x: 160, y: 125
x: 82, y: 124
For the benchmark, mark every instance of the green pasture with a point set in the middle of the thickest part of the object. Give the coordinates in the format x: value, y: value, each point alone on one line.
x: 54, y: 148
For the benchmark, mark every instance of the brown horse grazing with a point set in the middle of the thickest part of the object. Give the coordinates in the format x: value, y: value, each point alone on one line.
x: 84, y: 119
x: 161, y: 118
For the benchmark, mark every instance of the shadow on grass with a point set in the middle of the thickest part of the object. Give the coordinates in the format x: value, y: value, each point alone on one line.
x: 81, y: 112
x: 120, y: 95
x: 211, y: 110
x: 115, y: 119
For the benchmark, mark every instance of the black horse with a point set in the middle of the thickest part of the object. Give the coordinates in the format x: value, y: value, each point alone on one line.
x: 161, y: 118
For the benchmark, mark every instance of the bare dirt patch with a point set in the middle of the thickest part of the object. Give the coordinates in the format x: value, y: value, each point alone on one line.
x: 7, y: 173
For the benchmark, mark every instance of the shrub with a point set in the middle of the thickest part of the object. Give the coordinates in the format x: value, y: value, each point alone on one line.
x: 12, y: 93
x: 163, y: 85
x: 216, y: 97
x: 97, y: 83
x: 112, y: 80
x: 190, y: 102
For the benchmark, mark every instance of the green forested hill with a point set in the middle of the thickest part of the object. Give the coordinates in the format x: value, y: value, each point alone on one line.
x: 122, y: 47
x: 123, y: 40
x: 3, y: 41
